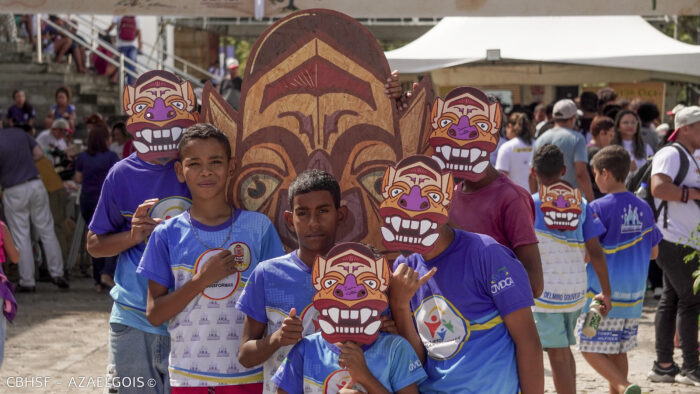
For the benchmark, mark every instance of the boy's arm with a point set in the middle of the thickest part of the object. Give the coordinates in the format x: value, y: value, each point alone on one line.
x: 8, y: 244
x: 162, y: 306
x: 600, y: 266
x: 255, y: 348
x: 529, y: 256
x: 654, y: 252
x: 142, y: 225
x: 528, y: 350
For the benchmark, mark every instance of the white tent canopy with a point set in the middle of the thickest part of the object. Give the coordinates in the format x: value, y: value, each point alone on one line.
x: 607, y: 41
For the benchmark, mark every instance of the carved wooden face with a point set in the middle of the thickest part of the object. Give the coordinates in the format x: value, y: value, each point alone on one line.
x: 350, y: 284
x: 561, y: 206
x: 416, y: 198
x: 465, y: 132
x: 160, y: 108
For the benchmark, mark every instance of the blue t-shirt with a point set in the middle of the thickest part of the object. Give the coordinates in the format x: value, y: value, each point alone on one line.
x: 312, y: 365
x: 563, y: 266
x: 57, y: 114
x: 94, y: 168
x: 19, y: 115
x: 128, y: 184
x: 459, y: 315
x: 16, y: 158
x: 571, y: 143
x: 627, y: 243
x: 205, y: 335
x: 273, y: 289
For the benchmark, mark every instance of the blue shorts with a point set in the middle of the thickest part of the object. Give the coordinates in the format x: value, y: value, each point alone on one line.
x: 556, y: 330
x: 138, y: 361
x: 614, y: 336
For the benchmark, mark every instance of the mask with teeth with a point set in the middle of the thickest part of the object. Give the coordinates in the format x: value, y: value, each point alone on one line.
x: 465, y: 132
x: 350, y: 283
x: 416, y: 197
x: 561, y: 206
x: 160, y: 107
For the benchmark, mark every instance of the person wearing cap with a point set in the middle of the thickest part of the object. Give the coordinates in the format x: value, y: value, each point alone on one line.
x: 679, y: 305
x: 55, y: 137
x: 572, y: 143
x: 26, y: 205
x: 230, y: 88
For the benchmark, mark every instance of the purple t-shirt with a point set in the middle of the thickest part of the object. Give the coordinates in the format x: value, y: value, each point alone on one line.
x: 502, y: 210
x: 19, y: 115
x: 16, y: 160
x: 94, y: 169
x: 128, y: 184
x: 459, y: 314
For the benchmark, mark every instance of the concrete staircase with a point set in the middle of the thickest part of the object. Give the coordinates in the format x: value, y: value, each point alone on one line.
x: 19, y: 70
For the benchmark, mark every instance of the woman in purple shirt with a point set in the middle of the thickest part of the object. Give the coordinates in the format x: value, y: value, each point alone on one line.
x: 91, y: 169
x: 22, y: 113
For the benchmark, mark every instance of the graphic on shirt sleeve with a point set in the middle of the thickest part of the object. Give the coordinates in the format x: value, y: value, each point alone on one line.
x: 561, y: 206
x: 416, y: 197
x: 631, y: 220
x: 441, y: 327
x: 501, y: 280
x: 337, y: 380
x: 241, y: 255
x: 222, y: 289
x: 350, y: 284
x: 465, y: 132
x: 169, y: 207
x: 160, y: 107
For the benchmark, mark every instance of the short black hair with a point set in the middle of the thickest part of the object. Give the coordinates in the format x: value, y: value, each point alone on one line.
x: 314, y: 180
x: 203, y: 131
x: 648, y: 112
x: 615, y: 159
x: 548, y: 161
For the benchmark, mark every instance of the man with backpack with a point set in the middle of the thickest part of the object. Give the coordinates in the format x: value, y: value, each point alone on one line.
x: 128, y: 39
x: 675, y: 186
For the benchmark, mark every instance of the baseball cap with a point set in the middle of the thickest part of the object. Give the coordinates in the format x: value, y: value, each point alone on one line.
x: 675, y: 109
x: 685, y: 117
x: 564, y: 109
x: 60, y: 124
x: 231, y: 63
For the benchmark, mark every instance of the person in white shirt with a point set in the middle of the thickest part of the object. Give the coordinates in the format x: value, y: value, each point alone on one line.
x: 514, y: 156
x: 628, y: 134
x: 55, y: 137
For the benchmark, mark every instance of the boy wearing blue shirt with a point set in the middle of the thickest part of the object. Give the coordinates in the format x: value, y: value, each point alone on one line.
x: 630, y: 241
x: 567, y: 230
x: 197, y: 264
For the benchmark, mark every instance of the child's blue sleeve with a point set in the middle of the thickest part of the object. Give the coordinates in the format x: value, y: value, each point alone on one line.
x: 155, y: 262
x: 252, y: 299
x: 405, y: 365
x: 108, y: 217
x: 271, y: 244
x: 592, y: 225
x: 505, y: 280
x: 290, y: 375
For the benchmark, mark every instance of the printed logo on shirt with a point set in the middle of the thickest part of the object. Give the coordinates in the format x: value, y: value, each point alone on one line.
x: 241, y: 255
x: 169, y: 207
x: 501, y: 280
x: 337, y: 380
x: 414, y: 365
x: 309, y: 319
x: 631, y: 222
x: 222, y: 289
x: 441, y: 327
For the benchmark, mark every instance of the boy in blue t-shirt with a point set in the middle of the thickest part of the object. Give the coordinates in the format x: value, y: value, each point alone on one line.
x: 568, y: 230
x: 277, y: 298
x: 197, y: 263
x: 630, y: 241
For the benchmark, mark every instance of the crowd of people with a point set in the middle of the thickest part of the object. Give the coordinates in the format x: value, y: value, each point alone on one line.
x: 555, y: 195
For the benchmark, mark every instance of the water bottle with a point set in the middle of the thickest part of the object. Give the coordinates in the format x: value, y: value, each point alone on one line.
x: 593, y: 318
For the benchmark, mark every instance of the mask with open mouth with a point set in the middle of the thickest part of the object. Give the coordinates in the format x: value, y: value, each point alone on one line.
x: 350, y: 283
x: 465, y: 132
x: 416, y: 197
x: 160, y: 108
x: 561, y: 206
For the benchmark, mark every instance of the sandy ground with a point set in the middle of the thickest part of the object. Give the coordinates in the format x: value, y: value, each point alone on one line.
x: 58, y: 344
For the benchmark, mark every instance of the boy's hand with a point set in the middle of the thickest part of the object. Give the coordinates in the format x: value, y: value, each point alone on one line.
x: 217, y: 268
x: 142, y: 225
x: 291, y: 330
x: 404, y: 284
x: 607, y: 306
x: 348, y: 388
x: 352, y: 358
x: 388, y: 325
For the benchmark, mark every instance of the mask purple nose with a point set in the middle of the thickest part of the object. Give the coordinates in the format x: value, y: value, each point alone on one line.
x: 159, y: 112
x: 463, y: 130
x: 350, y: 290
x: 414, y: 201
x: 560, y: 202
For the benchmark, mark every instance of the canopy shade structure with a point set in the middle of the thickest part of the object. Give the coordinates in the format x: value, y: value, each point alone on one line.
x: 627, y: 42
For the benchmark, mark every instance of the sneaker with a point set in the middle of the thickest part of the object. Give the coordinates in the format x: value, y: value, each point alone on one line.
x: 633, y: 389
x: 691, y: 378
x: 663, y: 375
x: 61, y: 282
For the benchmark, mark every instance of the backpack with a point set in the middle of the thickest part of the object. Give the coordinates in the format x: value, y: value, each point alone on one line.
x: 127, y: 28
x: 640, y: 182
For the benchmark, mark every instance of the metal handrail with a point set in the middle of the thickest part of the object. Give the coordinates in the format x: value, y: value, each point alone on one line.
x: 187, y: 64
